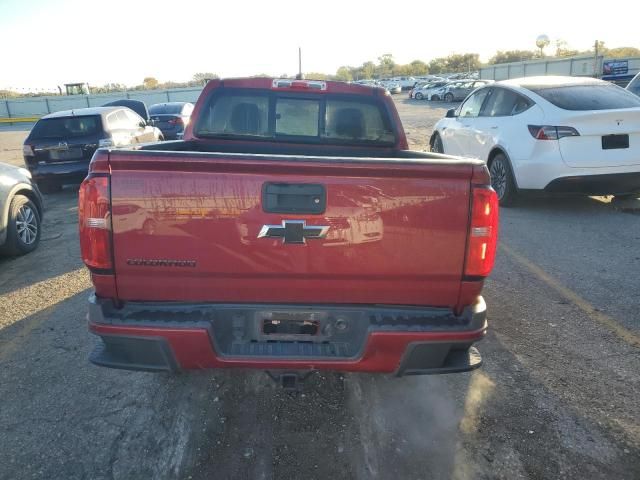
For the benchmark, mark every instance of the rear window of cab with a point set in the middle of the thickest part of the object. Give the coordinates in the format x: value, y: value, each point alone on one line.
x: 331, y: 119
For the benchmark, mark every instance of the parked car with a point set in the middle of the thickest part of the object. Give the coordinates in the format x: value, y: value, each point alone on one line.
x: 554, y: 134
x: 171, y: 118
x: 137, y: 106
x: 406, y: 83
x: 392, y: 87
x: 21, y: 210
x: 283, y: 242
x: 60, y: 145
x: 430, y: 91
x: 634, y: 85
x: 420, y: 84
x: 458, y: 90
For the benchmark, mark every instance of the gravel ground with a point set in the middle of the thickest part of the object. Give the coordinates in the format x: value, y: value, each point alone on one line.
x: 556, y: 397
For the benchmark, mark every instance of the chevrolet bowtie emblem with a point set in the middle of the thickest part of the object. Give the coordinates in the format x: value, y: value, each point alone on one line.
x: 293, y: 231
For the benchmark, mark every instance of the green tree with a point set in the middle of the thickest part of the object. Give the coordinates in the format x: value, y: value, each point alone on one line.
x: 316, y: 76
x: 563, y: 50
x: 622, y: 52
x: 509, y: 56
x: 385, y: 65
x: 344, y: 74
x: 438, y: 65
x: 367, y: 70
x: 204, y: 77
x: 401, y: 70
x: 418, y: 67
x: 150, y: 83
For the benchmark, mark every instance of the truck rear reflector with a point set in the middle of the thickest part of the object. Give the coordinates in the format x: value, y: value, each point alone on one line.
x: 94, y: 220
x: 483, y: 232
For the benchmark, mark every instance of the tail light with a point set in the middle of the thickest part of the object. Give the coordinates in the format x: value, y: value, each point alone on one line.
x: 286, y: 83
x: 27, y: 150
x: 547, y: 132
x: 483, y: 232
x: 175, y: 121
x: 94, y: 219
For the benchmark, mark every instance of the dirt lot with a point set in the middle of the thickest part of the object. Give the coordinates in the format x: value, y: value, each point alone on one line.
x: 557, y: 396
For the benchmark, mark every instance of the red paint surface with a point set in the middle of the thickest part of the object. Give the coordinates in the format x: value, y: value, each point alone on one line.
x: 397, y: 234
x: 193, y: 349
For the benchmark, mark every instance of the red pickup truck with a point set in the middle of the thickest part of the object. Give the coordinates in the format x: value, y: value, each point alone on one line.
x: 290, y: 230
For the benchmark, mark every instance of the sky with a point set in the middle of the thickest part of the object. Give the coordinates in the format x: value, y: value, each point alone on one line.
x: 48, y: 43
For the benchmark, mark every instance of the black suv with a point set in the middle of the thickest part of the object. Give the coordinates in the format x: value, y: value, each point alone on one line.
x: 60, y: 145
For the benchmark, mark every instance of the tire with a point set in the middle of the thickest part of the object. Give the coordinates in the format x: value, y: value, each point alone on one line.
x: 502, y: 180
x: 49, y: 186
x: 434, y: 98
x: 23, y: 227
x: 419, y: 96
x: 436, y: 144
x: 448, y: 97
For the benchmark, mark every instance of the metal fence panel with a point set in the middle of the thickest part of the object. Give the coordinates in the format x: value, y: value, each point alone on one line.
x: 186, y: 95
x: 68, y: 103
x: 27, y: 107
x: 149, y: 97
x: 38, y: 106
x: 100, y: 100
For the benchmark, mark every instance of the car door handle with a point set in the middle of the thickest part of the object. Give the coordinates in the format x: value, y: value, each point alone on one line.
x: 494, y: 128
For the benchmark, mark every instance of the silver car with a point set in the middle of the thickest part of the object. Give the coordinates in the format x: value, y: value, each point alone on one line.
x: 459, y: 90
x: 21, y: 209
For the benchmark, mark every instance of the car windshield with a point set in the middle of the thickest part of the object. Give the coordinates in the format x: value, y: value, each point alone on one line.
x: 295, y: 118
x: 587, y: 97
x: 165, y: 109
x: 65, y: 127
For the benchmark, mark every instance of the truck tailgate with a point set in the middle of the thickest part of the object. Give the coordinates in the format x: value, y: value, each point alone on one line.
x: 186, y: 227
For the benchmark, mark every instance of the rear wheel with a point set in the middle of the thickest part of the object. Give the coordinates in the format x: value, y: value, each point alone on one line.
x: 23, y: 228
x: 434, y: 98
x: 502, y: 180
x: 436, y: 144
x: 419, y: 96
x: 448, y: 97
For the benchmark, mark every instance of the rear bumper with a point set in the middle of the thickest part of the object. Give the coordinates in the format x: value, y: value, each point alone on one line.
x: 171, y: 133
x: 605, y: 184
x: 173, y: 337
x: 60, y: 172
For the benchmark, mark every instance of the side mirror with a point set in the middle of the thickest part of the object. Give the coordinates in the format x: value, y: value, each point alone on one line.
x: 142, y: 124
x: 451, y: 113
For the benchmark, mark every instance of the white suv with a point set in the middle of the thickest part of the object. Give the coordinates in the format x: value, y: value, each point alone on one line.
x: 557, y: 134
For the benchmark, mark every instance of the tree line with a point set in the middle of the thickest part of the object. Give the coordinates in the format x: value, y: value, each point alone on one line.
x: 385, y: 67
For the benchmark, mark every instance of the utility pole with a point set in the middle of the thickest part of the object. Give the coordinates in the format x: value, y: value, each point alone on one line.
x: 299, y: 76
x: 595, y: 60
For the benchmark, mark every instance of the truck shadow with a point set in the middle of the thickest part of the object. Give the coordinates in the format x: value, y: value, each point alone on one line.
x: 236, y: 424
